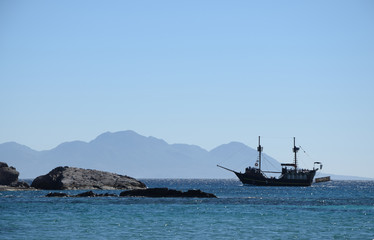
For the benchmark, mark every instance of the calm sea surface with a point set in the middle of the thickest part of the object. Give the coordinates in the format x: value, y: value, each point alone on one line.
x: 333, y: 210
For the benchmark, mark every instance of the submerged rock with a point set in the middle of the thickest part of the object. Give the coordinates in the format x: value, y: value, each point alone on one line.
x: 66, y: 178
x: 84, y: 194
x: 57, y: 194
x: 165, y: 192
x: 150, y: 192
x: 198, y: 194
x: 92, y: 194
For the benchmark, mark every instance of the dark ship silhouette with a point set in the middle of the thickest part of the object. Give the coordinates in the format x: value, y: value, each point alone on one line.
x: 291, y: 175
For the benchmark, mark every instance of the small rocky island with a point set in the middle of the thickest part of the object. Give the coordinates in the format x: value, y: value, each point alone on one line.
x: 9, y: 179
x: 71, y: 178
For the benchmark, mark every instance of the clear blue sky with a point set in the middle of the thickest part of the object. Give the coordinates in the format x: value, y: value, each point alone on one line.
x: 196, y: 72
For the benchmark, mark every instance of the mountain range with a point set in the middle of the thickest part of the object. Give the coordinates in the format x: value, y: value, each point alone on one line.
x: 129, y: 153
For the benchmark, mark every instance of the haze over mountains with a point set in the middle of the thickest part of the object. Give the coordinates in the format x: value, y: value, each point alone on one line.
x: 129, y: 153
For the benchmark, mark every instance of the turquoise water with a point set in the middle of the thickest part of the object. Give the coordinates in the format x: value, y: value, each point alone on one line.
x: 333, y: 210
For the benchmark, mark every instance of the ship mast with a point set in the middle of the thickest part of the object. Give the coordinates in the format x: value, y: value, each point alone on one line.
x: 295, y: 150
x: 259, y: 149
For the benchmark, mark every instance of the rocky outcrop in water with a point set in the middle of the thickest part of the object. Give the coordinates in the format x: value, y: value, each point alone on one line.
x: 8, y: 175
x: 150, y: 192
x: 57, y: 194
x: 166, y: 193
x: 9, y: 178
x: 84, y: 194
x: 66, y: 178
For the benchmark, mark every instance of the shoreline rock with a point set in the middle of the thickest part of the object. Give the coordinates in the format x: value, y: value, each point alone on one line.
x: 9, y: 179
x: 71, y: 178
x: 10, y: 188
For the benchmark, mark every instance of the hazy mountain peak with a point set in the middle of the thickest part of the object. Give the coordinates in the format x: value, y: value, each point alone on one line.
x: 116, y: 135
x: 236, y: 144
x: 15, y: 147
x: 231, y: 146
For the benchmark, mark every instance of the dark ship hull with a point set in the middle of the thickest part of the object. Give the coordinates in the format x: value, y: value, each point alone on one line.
x: 289, y: 178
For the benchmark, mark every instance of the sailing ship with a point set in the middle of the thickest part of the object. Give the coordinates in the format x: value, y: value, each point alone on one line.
x: 290, y: 175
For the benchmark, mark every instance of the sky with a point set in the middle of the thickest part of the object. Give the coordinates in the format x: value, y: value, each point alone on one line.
x: 196, y: 72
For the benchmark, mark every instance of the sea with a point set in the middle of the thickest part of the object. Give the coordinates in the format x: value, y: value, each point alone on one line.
x: 329, y: 210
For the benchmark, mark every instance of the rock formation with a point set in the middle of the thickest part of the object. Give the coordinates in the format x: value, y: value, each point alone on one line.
x: 150, y: 192
x: 84, y: 194
x: 57, y: 194
x: 165, y: 192
x: 8, y: 175
x: 9, y: 178
x: 66, y: 178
